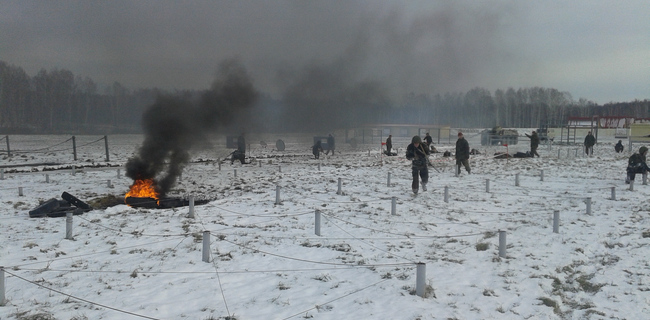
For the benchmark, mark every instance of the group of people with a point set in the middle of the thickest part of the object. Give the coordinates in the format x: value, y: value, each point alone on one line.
x: 418, y: 153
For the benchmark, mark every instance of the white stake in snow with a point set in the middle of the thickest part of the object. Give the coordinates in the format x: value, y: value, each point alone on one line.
x: 2, y: 174
x: 319, y: 166
x: 277, y: 194
x: 339, y: 190
x: 388, y: 180
x: 219, y: 161
x: 421, y: 279
x: 279, y: 168
x: 206, y: 246
x: 487, y: 185
x: 235, y: 172
x: 446, y: 193
x: 119, y: 173
x: 541, y: 175
x: 502, y: 243
x: 393, y: 206
x: 517, y: 179
x: 645, y: 178
x: 588, y: 203
x: 558, y: 153
x: 47, y: 178
x: 20, y: 191
x: 317, y: 222
x: 68, y: 225
x: 191, y: 213
x: 109, y: 184
x: 2, y: 287
x: 613, y: 197
x: 631, y: 185
x: 556, y: 221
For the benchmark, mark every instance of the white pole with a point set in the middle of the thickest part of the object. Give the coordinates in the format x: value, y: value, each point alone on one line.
x: 393, y: 206
x: 631, y: 185
x: 108, y: 183
x: 517, y: 179
x: 339, y: 190
x: 502, y: 244
x: 613, y: 193
x: 68, y: 225
x: 541, y: 175
x: 2, y: 287
x: 277, y: 194
x: 446, y: 193
x: 20, y: 191
x: 319, y: 166
x: 2, y: 174
x: 206, y: 246
x: 645, y: 178
x: 388, y: 180
x: 588, y: 203
x: 487, y: 185
x: 47, y: 178
x: 558, y: 153
x: 317, y: 222
x: 119, y: 173
x: 235, y: 172
x: 191, y: 213
x: 556, y: 221
x: 420, y: 279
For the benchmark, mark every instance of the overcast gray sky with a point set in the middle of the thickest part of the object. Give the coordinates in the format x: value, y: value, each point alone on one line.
x: 599, y: 50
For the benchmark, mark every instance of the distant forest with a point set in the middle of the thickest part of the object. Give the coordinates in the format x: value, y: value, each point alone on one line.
x: 57, y: 101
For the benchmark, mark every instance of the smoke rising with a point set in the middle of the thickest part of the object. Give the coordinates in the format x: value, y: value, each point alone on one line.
x: 173, y: 126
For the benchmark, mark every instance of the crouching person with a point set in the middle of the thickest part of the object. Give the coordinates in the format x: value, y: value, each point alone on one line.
x: 417, y: 153
x: 636, y: 164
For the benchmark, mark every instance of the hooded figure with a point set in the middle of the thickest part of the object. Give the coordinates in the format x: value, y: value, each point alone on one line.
x: 417, y: 152
x: 636, y: 164
x: 619, y: 147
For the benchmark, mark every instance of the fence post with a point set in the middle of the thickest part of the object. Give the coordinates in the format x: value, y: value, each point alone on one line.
x: 106, y: 147
x: 645, y: 178
x: 235, y: 170
x: 119, y: 173
x: 388, y: 180
x: 421, y: 279
x: 541, y: 175
x: 191, y: 213
x: 613, y: 193
x: 318, y: 165
x: 502, y: 243
x: 631, y: 185
x: 277, y: 194
x: 556, y: 221
x: 558, y: 153
x: 339, y: 190
x: 20, y: 191
x: 517, y: 179
x: 446, y: 193
x: 74, y: 147
x: 8, y: 149
x: 68, y: 225
x: 317, y: 222
x: 588, y: 203
x: 206, y: 246
x: 2, y: 174
x: 279, y: 168
x: 109, y: 184
x: 219, y: 161
x: 2, y: 287
x: 393, y: 206
x: 47, y: 178
x: 487, y: 185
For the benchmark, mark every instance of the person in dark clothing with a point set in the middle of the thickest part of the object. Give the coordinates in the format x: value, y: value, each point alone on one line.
x: 428, y: 140
x: 389, y: 144
x: 590, y: 141
x: 534, y: 143
x: 317, y: 149
x: 240, y: 153
x: 619, y: 147
x: 417, y: 153
x: 330, y: 144
x: 462, y: 153
x: 636, y: 164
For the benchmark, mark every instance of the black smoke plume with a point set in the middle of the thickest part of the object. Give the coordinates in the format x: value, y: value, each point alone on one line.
x: 174, y: 125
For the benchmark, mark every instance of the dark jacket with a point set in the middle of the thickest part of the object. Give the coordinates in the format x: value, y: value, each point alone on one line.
x: 241, y: 144
x: 317, y: 148
x: 428, y: 139
x: 417, y: 155
x: 590, y: 140
x: 618, y: 147
x: 636, y: 163
x: 389, y: 143
x: 462, y: 149
x: 534, y: 140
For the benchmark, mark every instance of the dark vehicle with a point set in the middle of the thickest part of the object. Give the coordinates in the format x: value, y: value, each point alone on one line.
x: 499, y: 136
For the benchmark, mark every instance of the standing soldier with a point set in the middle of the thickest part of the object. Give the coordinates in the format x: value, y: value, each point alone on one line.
x: 330, y: 144
x: 590, y: 141
x: 534, y: 143
x: 417, y: 153
x: 462, y: 153
x: 389, y: 144
x: 428, y: 140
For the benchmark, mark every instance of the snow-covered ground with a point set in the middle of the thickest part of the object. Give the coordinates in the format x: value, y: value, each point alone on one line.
x: 266, y: 261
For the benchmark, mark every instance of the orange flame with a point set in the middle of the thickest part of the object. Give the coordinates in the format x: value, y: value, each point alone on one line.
x: 143, y: 189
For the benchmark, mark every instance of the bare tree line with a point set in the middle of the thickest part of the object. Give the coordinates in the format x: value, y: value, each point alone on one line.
x: 57, y: 101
